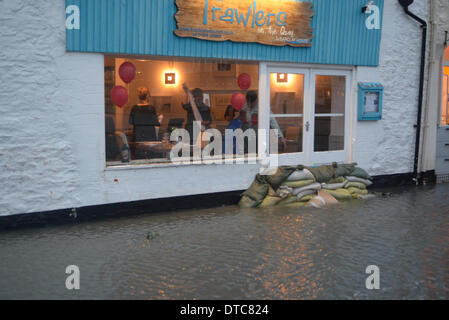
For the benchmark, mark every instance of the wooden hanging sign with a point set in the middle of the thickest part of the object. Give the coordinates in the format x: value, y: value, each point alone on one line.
x: 270, y: 22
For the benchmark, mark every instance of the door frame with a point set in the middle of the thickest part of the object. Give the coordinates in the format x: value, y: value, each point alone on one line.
x: 340, y: 156
x: 307, y: 157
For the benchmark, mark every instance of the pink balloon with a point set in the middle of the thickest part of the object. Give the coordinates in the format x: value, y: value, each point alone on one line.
x: 244, y: 81
x: 119, y: 96
x: 238, y: 101
x: 127, y: 72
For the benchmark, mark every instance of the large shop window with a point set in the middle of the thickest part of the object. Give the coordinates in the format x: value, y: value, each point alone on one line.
x: 139, y: 131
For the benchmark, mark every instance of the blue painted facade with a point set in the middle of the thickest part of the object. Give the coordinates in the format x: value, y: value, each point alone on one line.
x: 146, y: 27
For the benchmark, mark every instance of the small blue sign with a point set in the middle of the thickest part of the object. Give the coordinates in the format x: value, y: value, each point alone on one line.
x: 370, y: 101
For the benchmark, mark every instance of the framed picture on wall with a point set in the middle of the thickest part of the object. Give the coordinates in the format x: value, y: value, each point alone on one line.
x: 223, y: 69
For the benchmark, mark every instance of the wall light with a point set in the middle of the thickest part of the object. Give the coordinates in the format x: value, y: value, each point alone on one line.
x: 282, y: 78
x: 170, y: 78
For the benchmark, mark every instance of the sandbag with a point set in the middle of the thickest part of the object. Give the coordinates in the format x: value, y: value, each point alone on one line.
x: 306, y: 193
x: 284, y: 192
x: 353, y: 184
x: 288, y: 200
x: 317, y: 202
x: 343, y: 170
x: 307, y: 197
x: 357, y: 179
x: 301, y: 175
x: 333, y: 186
x: 323, y: 173
x: 340, y: 194
x: 258, y: 189
x: 360, y: 173
x: 357, y: 191
x: 271, y: 192
x: 280, y: 176
x: 336, y: 180
x: 297, y: 184
x: 327, y: 197
x: 247, y: 202
x: 313, y: 186
x: 270, y: 201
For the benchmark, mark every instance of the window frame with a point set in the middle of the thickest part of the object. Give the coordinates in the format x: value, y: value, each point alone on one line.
x: 247, y: 159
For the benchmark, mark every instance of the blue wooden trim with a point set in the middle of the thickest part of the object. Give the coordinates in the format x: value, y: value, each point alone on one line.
x: 365, y: 87
x: 146, y: 27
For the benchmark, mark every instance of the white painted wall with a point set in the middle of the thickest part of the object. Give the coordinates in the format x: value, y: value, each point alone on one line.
x: 388, y: 146
x: 52, y: 125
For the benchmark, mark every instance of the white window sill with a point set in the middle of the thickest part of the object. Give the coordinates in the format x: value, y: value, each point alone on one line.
x: 118, y: 166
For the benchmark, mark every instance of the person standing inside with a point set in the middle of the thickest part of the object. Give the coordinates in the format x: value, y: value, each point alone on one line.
x: 144, y: 119
x: 203, y: 109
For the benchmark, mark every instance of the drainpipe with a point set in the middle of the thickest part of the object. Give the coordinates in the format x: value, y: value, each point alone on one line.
x: 428, y: 130
x: 405, y: 4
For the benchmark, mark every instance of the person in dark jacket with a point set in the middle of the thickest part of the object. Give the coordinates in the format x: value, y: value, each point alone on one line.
x: 144, y: 119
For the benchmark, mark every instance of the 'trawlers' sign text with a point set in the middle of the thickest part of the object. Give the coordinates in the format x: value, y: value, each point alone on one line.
x: 270, y: 22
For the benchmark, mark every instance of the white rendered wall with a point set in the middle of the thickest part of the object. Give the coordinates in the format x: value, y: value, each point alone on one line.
x: 387, y: 146
x: 52, y: 145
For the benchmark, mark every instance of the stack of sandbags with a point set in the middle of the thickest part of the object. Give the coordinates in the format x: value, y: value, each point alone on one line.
x: 298, y: 187
x: 336, y: 188
x: 301, y: 186
x: 358, y: 182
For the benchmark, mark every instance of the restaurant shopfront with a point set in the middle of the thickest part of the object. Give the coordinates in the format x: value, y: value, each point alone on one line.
x: 296, y: 58
x: 316, y: 81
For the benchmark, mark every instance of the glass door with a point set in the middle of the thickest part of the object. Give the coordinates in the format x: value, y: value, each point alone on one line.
x: 287, y: 114
x: 310, y: 111
x: 329, y: 125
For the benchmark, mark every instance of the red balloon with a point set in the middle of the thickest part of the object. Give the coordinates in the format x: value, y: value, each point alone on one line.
x: 127, y: 72
x: 119, y: 96
x: 244, y: 81
x: 238, y: 101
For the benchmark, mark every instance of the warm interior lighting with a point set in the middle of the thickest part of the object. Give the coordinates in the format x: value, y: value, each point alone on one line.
x: 282, y: 78
x: 170, y: 78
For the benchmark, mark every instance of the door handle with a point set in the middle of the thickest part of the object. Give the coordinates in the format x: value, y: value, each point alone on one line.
x: 307, y: 126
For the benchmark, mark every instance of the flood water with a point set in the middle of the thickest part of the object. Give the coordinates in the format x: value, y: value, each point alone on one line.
x: 230, y: 253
